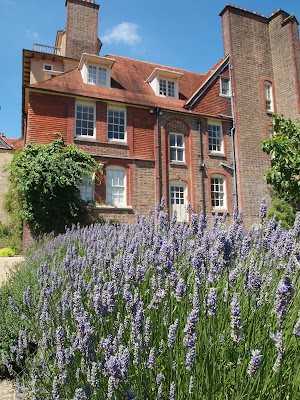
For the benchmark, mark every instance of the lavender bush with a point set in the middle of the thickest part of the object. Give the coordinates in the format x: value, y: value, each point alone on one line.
x: 158, y: 310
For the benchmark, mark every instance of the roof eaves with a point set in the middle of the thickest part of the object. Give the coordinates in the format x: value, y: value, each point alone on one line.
x: 191, y: 101
x: 4, y: 145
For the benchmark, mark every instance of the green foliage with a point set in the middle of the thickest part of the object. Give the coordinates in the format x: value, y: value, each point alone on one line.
x: 7, y: 252
x: 11, y: 235
x: 19, y: 279
x: 283, y: 210
x: 284, y: 148
x: 45, y: 178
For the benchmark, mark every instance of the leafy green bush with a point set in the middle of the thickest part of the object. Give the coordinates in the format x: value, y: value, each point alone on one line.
x: 283, y: 210
x: 7, y: 252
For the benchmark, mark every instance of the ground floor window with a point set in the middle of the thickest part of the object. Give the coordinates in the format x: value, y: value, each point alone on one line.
x: 116, y: 186
x: 178, y: 200
x: 86, y: 188
x: 217, y: 187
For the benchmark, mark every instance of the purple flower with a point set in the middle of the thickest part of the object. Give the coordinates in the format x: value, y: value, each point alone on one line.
x: 172, y: 394
x: 147, y: 336
x: 180, y: 290
x: 172, y: 334
x: 159, y: 378
x: 254, y: 363
x: 190, y: 358
x: 151, y: 360
x: 283, y: 296
x: 190, y: 330
x: 236, y: 321
x: 211, y: 301
x: 262, y: 210
x: 296, y: 330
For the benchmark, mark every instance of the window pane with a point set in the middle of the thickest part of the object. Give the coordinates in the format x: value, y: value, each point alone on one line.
x: 116, y: 124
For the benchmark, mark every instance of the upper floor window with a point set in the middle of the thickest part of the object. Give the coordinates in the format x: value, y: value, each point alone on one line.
x: 166, y: 88
x: 116, y: 186
x: 85, y: 119
x: 224, y: 86
x: 217, y: 191
x: 86, y: 188
x: 176, y: 147
x: 97, y: 75
x: 215, y: 137
x: 95, y: 70
x: 269, y: 97
x: 116, y: 123
x: 165, y: 82
x: 48, y: 67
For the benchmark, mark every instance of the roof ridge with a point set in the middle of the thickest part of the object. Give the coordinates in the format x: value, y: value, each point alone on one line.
x: 156, y: 64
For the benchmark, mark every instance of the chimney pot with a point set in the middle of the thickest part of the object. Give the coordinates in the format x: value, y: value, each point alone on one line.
x: 278, y: 9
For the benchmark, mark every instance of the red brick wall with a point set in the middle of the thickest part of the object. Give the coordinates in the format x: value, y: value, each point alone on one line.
x: 211, y: 103
x: 48, y: 114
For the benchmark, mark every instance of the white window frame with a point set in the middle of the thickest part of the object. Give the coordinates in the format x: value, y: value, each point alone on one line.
x: 97, y: 82
x: 212, y: 137
x: 170, y: 92
x: 224, y: 79
x: 120, y: 109
x: 85, y: 104
x: 112, y: 203
x: 179, y: 184
x: 177, y: 148
x: 86, y: 183
x: 213, y: 197
x: 269, y: 97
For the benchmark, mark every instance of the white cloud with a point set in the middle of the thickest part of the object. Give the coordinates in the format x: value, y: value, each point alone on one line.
x: 126, y: 32
x: 32, y: 35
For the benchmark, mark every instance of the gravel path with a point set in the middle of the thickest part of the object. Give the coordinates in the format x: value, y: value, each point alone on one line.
x: 7, y: 391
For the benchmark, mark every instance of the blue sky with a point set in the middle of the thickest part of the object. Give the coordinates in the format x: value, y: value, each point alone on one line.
x: 180, y: 33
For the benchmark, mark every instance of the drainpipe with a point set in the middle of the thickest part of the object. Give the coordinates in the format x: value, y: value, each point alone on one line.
x: 158, y: 112
x: 202, y: 168
x: 232, y: 133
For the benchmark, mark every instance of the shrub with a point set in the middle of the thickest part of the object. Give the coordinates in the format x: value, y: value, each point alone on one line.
x: 6, y: 252
x: 162, y: 311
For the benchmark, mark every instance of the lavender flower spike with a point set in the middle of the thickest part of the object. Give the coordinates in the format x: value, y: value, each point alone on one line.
x: 283, y: 296
x: 172, y: 394
x: 211, y: 301
x: 254, y: 363
x: 172, y: 334
x: 236, y: 321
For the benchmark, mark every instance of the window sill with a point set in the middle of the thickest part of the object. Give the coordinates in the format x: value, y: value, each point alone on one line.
x: 85, y: 138
x: 106, y: 208
x: 118, y: 142
x: 225, y: 95
x: 181, y: 164
x: 217, y: 154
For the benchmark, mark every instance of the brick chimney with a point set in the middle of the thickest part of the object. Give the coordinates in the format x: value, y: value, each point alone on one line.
x: 82, y: 28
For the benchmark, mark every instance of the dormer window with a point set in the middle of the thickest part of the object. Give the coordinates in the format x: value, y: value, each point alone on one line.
x: 95, y: 70
x: 97, y: 75
x: 166, y: 88
x: 165, y: 83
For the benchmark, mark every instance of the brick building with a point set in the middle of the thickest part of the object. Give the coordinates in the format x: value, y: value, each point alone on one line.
x: 160, y: 130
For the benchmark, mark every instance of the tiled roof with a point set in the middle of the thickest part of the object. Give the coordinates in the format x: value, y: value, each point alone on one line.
x: 128, y: 85
x: 3, y: 144
x: 16, y: 144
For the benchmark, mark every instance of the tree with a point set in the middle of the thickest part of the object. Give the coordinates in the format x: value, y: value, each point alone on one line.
x: 46, y: 179
x: 284, y: 149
